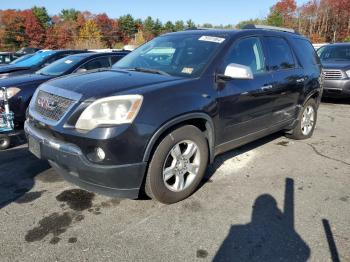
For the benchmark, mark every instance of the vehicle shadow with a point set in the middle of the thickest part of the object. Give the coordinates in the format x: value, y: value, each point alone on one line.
x: 328, y: 100
x: 221, y: 159
x: 18, y: 168
x: 270, y: 236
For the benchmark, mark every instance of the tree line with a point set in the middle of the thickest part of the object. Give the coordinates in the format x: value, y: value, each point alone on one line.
x: 74, y: 29
x: 320, y: 20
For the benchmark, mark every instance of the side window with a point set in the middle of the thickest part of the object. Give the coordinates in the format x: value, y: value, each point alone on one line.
x: 280, y: 54
x: 115, y: 59
x: 96, y: 63
x: 247, y: 52
x: 306, y: 52
x: 54, y: 58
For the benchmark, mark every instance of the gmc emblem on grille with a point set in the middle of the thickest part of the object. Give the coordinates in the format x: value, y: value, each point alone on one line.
x: 46, y: 103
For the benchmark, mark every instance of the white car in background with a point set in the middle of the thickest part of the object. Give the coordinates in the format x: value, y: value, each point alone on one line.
x: 318, y: 46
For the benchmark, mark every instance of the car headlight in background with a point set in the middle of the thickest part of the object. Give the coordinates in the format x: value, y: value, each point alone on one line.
x: 11, y: 92
x: 110, y: 111
x: 348, y: 73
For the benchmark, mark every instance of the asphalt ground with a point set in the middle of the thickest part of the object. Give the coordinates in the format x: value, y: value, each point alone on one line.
x: 272, y: 200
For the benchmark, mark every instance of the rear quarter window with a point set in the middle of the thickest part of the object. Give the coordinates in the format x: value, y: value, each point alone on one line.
x: 306, y: 52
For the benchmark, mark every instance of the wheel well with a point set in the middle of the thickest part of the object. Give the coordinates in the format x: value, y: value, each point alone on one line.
x: 315, y: 95
x: 201, y: 123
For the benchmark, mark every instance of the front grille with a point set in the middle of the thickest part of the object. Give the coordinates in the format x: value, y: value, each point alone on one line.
x: 332, y: 74
x: 52, y: 106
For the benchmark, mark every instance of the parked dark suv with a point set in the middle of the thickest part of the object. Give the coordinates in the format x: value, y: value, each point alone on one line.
x: 163, y: 112
x: 32, y: 64
x: 20, y: 89
x: 335, y: 60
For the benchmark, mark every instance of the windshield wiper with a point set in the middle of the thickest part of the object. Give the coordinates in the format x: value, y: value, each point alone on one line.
x: 152, y: 71
x: 42, y: 74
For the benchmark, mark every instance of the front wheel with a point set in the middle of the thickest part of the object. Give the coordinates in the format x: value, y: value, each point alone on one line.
x: 4, y: 142
x: 177, y: 166
x: 306, y: 125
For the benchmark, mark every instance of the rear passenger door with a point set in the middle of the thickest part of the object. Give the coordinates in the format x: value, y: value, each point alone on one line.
x: 288, y: 79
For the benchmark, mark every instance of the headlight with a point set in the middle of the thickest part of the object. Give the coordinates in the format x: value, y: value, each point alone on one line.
x: 348, y: 73
x: 110, y: 111
x: 11, y: 92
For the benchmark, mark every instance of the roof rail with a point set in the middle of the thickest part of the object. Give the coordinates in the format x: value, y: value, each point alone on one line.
x: 268, y: 27
x: 197, y: 28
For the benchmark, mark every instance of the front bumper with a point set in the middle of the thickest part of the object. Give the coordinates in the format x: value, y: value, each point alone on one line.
x: 69, y: 161
x: 337, y: 88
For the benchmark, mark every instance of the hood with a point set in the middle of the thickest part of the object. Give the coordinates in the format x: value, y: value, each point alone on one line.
x: 24, y: 79
x: 106, y: 83
x: 11, y: 68
x: 336, y: 64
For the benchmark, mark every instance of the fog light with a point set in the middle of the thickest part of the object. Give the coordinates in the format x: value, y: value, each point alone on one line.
x: 100, y: 153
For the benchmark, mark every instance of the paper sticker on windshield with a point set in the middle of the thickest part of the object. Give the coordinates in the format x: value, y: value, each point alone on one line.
x: 213, y: 39
x: 187, y: 70
x: 68, y: 61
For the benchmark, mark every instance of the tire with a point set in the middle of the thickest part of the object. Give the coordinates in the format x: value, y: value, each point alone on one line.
x: 183, y: 149
x: 4, y: 142
x: 306, y: 125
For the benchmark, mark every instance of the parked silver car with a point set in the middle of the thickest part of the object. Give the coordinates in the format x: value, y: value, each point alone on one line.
x: 335, y: 59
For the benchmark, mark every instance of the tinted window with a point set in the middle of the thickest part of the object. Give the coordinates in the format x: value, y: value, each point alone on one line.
x: 280, y: 54
x: 60, y: 66
x: 334, y: 52
x: 21, y: 58
x: 306, y: 52
x: 96, y: 63
x: 36, y: 59
x: 247, y: 52
x: 115, y: 59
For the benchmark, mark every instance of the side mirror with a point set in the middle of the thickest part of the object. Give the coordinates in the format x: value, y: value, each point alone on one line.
x: 237, y: 71
x: 81, y: 70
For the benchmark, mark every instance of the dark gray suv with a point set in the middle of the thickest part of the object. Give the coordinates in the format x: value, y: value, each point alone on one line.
x: 335, y: 60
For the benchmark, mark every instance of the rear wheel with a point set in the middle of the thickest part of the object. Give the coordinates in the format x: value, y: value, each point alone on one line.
x: 4, y: 142
x: 177, y: 166
x: 306, y: 125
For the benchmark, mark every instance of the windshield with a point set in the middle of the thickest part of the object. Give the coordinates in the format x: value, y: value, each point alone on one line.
x: 176, y: 55
x: 22, y: 58
x: 60, y: 66
x: 36, y: 59
x: 341, y: 52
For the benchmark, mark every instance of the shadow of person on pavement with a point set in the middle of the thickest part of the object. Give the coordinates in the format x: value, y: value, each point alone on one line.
x: 270, y: 236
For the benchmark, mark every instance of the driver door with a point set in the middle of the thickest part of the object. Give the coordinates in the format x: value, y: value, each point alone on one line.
x: 245, y: 105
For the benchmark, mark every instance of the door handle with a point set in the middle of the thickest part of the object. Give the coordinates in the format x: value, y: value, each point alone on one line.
x: 300, y: 80
x: 267, y: 87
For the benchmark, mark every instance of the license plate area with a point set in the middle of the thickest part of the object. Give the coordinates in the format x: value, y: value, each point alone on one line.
x: 34, y: 147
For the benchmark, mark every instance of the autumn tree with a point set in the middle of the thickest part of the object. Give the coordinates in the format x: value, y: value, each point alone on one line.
x: 89, y: 36
x: 12, y: 24
x: 34, y: 32
x: 109, y: 30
